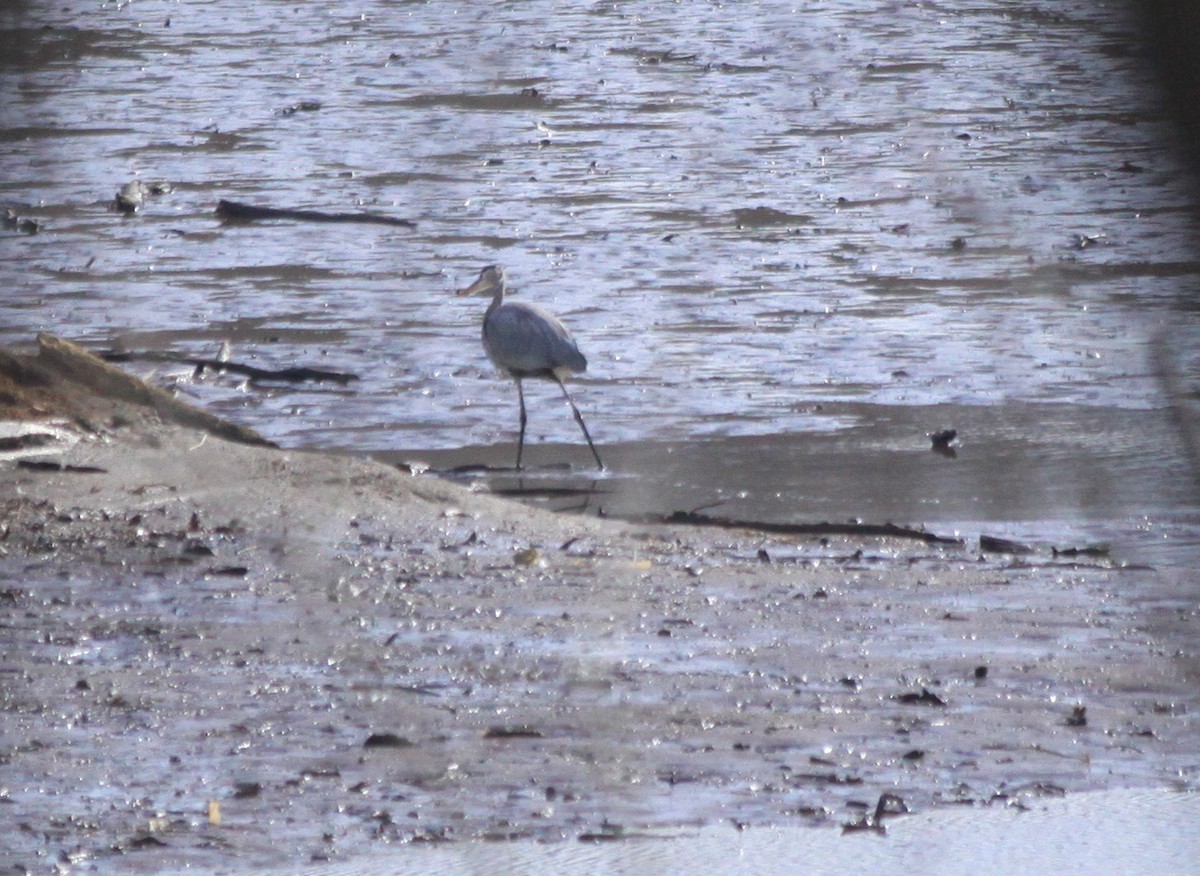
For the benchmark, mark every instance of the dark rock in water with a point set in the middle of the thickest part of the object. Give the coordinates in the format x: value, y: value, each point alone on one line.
x: 131, y: 197
x: 943, y: 437
x: 304, y: 106
x: 942, y: 442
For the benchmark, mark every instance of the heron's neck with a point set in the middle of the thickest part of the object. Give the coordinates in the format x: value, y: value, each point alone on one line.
x: 497, y: 297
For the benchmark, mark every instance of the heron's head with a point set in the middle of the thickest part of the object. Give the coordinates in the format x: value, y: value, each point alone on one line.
x: 489, y: 281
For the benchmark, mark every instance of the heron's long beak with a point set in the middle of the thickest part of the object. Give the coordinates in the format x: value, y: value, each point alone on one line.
x: 483, y: 284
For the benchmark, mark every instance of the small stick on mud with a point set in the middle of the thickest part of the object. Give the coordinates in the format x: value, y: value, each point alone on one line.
x: 289, y: 375
x: 249, y: 212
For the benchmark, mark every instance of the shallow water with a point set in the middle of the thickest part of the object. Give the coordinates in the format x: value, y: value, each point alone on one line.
x: 775, y: 229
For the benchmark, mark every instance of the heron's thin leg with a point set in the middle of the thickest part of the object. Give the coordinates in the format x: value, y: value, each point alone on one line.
x: 579, y: 420
x: 521, y: 439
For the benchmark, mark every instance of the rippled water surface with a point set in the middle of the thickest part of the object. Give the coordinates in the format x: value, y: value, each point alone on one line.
x: 772, y: 227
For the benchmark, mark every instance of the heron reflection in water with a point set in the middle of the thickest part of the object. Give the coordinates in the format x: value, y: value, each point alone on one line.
x: 523, y: 340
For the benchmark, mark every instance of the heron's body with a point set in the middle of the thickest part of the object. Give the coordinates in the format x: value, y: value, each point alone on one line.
x: 523, y: 340
x: 526, y: 341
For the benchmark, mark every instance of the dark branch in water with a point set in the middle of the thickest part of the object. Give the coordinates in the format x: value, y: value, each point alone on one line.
x: 877, y: 530
x: 291, y: 375
x: 237, y: 210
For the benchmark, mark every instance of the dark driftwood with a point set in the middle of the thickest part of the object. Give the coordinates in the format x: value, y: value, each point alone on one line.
x: 290, y: 375
x: 248, y: 212
x: 876, y: 530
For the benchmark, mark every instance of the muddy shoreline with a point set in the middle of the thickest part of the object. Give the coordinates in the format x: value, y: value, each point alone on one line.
x: 215, y: 651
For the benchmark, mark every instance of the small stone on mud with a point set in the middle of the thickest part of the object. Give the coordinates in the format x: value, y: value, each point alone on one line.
x: 925, y: 698
x: 386, y: 740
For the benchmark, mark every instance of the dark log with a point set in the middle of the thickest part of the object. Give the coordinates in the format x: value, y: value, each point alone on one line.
x: 289, y: 375
x: 249, y: 212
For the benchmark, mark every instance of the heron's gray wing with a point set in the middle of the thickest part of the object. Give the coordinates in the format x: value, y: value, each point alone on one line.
x: 524, y: 339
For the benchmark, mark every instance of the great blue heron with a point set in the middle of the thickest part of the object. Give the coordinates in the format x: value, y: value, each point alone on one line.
x: 523, y: 340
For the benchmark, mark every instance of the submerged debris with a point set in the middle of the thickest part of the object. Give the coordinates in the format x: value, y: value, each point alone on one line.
x: 996, y: 545
x: 888, y: 804
x: 248, y: 212
x: 131, y: 197
x: 925, y: 698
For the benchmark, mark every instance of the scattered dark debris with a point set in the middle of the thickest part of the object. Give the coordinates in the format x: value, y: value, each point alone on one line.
x: 1091, y: 550
x: 996, y: 545
x: 830, y: 778
x: 326, y: 772
x: 249, y: 212
x: 304, y: 106
x: 958, y: 244
x: 1130, y: 167
x: 27, y: 441
x: 145, y: 841
x: 386, y: 740
x: 606, y: 832
x: 758, y: 217
x: 942, y: 442
x: 51, y: 465
x: 132, y: 196
x: 230, y: 571
x: 11, y: 221
x: 882, y: 530
x: 246, y: 790
x: 1083, y: 241
x: 981, y: 672
x: 888, y: 804
x: 197, y: 548
x: 925, y: 698
x: 514, y: 732
x: 913, y: 755
x: 943, y: 437
x: 1078, y: 717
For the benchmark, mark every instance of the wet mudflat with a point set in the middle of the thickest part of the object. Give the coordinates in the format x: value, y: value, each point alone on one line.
x: 224, y: 657
x: 213, y: 653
